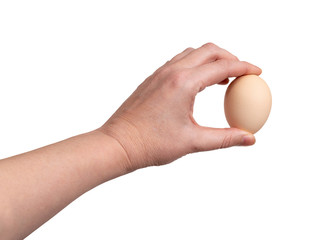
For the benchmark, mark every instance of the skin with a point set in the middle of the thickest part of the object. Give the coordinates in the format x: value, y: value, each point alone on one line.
x: 154, y: 126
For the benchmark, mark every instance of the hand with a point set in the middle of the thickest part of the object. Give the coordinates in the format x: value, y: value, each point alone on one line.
x: 155, y: 125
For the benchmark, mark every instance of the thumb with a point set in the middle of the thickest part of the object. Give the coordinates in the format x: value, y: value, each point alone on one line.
x: 216, y: 138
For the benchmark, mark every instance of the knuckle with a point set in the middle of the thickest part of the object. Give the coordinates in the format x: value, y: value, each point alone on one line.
x: 163, y: 71
x: 235, y: 58
x: 224, y: 64
x: 245, y: 66
x: 210, y: 46
x: 227, y: 141
x: 177, y: 78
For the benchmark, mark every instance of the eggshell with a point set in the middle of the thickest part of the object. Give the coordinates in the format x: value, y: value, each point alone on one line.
x: 247, y: 103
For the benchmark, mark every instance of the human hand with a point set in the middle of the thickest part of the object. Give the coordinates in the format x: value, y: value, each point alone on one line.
x: 155, y: 125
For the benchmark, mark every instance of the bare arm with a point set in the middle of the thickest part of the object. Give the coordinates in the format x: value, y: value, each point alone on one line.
x: 38, y: 184
x: 154, y: 126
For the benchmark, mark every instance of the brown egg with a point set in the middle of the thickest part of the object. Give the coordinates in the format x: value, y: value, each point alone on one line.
x: 247, y: 103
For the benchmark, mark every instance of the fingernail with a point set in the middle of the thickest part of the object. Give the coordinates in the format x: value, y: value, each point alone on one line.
x: 247, y: 140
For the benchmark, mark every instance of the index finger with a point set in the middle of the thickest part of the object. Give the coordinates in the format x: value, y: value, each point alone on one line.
x: 215, y: 72
x: 207, y: 53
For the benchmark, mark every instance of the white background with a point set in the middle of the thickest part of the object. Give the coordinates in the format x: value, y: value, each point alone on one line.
x: 66, y: 66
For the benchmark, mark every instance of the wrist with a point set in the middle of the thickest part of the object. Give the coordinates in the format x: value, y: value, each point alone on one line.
x: 115, y: 159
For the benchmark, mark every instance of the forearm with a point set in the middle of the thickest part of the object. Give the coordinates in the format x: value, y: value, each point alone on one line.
x: 38, y: 184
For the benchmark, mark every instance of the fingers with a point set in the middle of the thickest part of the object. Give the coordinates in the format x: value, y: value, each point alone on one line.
x: 176, y: 58
x: 216, y: 138
x: 208, y: 65
x: 205, y: 54
x: 218, y: 71
x: 181, y: 55
x: 224, y: 82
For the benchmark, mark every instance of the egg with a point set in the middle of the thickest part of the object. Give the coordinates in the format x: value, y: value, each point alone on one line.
x: 247, y: 103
